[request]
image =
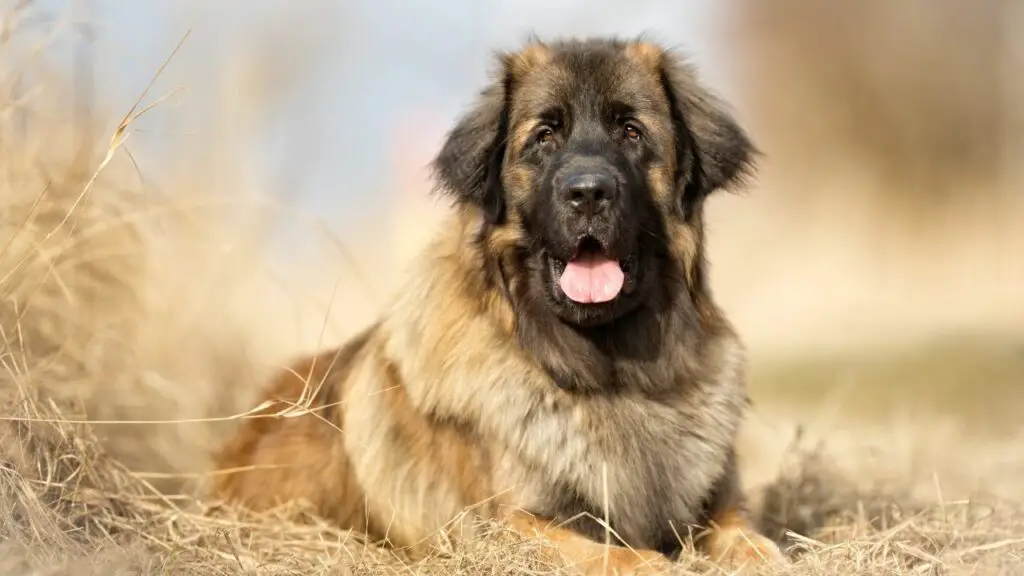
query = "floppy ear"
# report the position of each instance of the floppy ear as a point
(468, 167)
(712, 150)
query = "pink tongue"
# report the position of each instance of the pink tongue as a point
(591, 278)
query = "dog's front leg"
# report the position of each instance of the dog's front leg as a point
(586, 555)
(734, 540)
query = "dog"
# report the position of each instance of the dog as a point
(556, 360)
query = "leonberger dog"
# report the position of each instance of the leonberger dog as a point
(556, 361)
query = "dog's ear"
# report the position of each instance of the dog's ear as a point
(712, 151)
(468, 167)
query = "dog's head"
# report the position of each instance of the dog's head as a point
(590, 161)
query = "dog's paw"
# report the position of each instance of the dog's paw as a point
(620, 561)
(740, 548)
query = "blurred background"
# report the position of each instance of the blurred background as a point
(874, 268)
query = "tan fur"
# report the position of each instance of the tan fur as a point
(532, 56)
(734, 541)
(645, 53)
(438, 408)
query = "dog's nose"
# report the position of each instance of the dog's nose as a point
(590, 192)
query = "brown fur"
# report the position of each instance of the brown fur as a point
(469, 393)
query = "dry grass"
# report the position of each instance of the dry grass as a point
(107, 296)
(65, 503)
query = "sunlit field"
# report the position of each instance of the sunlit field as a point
(877, 282)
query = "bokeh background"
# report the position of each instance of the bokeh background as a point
(875, 267)
(888, 201)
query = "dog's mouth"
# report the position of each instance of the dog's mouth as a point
(591, 276)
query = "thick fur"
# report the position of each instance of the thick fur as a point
(482, 388)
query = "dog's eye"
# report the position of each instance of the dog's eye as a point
(631, 131)
(545, 135)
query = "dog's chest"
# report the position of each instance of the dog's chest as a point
(645, 466)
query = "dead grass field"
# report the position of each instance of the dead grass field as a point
(131, 342)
